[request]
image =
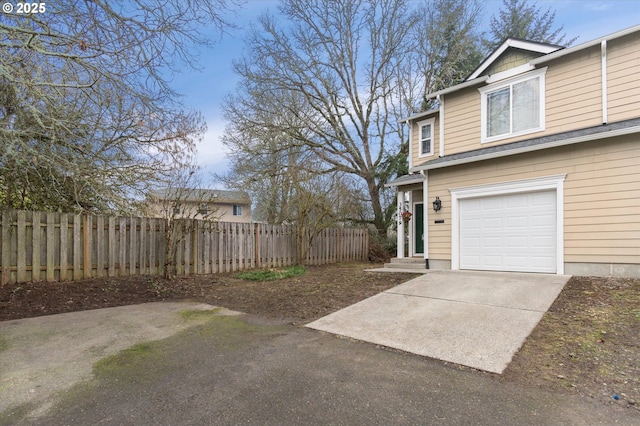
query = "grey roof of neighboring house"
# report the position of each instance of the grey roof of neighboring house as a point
(559, 139)
(202, 195)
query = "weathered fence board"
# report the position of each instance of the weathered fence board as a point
(50, 246)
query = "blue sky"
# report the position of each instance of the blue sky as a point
(205, 90)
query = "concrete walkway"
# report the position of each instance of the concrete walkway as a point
(477, 319)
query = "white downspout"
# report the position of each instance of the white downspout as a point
(603, 49)
(441, 125)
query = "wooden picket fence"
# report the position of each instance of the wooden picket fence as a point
(39, 246)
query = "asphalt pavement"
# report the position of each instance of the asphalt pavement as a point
(228, 370)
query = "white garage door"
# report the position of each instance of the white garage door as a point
(515, 232)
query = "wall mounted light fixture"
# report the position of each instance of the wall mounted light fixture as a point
(437, 204)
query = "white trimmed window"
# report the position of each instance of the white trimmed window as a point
(513, 107)
(237, 210)
(425, 137)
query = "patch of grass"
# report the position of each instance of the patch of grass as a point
(191, 314)
(4, 345)
(271, 274)
(129, 359)
(146, 362)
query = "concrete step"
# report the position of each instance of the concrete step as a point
(412, 263)
(405, 260)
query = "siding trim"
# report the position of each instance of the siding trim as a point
(555, 182)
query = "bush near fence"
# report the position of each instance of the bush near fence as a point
(39, 246)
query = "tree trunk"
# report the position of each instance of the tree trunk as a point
(378, 213)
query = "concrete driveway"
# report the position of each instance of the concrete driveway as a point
(477, 319)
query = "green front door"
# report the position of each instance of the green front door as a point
(418, 225)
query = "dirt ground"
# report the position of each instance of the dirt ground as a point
(588, 342)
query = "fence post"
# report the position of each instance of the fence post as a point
(86, 259)
(51, 246)
(4, 261)
(195, 253)
(22, 247)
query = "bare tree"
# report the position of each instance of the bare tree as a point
(289, 184)
(336, 60)
(336, 76)
(184, 205)
(87, 114)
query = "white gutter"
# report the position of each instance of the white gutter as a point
(603, 49)
(569, 50)
(457, 87)
(412, 181)
(531, 148)
(418, 115)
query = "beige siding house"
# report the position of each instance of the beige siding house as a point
(210, 204)
(535, 161)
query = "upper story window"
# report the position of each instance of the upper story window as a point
(203, 208)
(425, 137)
(237, 210)
(513, 107)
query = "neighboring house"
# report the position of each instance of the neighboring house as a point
(534, 161)
(213, 204)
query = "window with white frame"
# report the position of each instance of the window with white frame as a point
(425, 137)
(513, 107)
(237, 210)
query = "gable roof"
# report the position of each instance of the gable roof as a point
(531, 46)
(202, 195)
(476, 78)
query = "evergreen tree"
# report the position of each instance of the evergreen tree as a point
(520, 19)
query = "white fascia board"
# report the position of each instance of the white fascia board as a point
(586, 45)
(506, 153)
(468, 83)
(418, 179)
(418, 115)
